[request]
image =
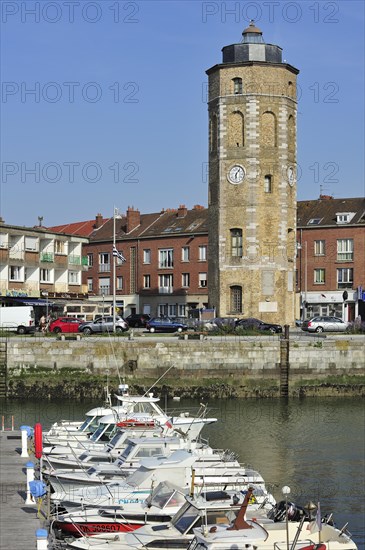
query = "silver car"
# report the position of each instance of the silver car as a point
(325, 324)
(104, 324)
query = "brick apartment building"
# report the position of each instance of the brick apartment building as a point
(165, 272)
(331, 257)
(166, 253)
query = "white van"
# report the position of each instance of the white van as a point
(17, 318)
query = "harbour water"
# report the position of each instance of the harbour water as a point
(316, 446)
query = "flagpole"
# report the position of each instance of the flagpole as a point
(114, 270)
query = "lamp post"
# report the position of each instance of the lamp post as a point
(286, 491)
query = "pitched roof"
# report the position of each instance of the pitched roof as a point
(84, 228)
(324, 210)
(159, 224)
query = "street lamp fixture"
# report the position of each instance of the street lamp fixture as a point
(286, 492)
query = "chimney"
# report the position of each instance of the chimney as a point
(325, 197)
(133, 219)
(182, 211)
(198, 207)
(98, 221)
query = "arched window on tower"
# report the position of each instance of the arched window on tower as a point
(268, 129)
(291, 133)
(236, 129)
(213, 133)
(268, 183)
(236, 242)
(236, 299)
(237, 85)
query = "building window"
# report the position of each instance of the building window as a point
(236, 299)
(147, 256)
(59, 247)
(319, 276)
(185, 280)
(73, 278)
(166, 258)
(182, 310)
(166, 283)
(104, 286)
(268, 184)
(237, 85)
(104, 262)
(236, 243)
(344, 217)
(146, 281)
(90, 285)
(172, 310)
(203, 253)
(3, 240)
(202, 280)
(345, 250)
(16, 273)
(90, 259)
(319, 248)
(120, 283)
(345, 277)
(31, 244)
(162, 310)
(314, 221)
(45, 275)
(185, 254)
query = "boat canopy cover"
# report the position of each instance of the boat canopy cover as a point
(179, 458)
(137, 398)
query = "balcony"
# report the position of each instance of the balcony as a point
(104, 290)
(47, 257)
(166, 290)
(74, 260)
(103, 268)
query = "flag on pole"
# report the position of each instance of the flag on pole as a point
(118, 254)
(315, 526)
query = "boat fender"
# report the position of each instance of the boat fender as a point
(38, 442)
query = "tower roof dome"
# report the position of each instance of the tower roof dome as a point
(252, 34)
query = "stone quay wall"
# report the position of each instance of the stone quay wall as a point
(193, 360)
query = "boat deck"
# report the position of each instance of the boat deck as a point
(18, 521)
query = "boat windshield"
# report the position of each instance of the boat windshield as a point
(98, 432)
(127, 451)
(90, 423)
(190, 517)
(104, 432)
(115, 439)
(186, 518)
(166, 496)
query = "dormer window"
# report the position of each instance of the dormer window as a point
(237, 85)
(344, 217)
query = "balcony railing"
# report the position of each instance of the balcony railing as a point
(104, 290)
(74, 260)
(104, 267)
(166, 290)
(47, 257)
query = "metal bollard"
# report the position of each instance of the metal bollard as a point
(24, 433)
(30, 477)
(42, 536)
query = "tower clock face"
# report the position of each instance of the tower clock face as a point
(236, 174)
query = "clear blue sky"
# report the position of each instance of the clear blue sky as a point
(123, 85)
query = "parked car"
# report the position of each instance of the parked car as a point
(325, 324)
(64, 324)
(137, 319)
(104, 324)
(165, 324)
(257, 324)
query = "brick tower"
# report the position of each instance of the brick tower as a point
(252, 181)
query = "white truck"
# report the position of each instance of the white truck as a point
(17, 318)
